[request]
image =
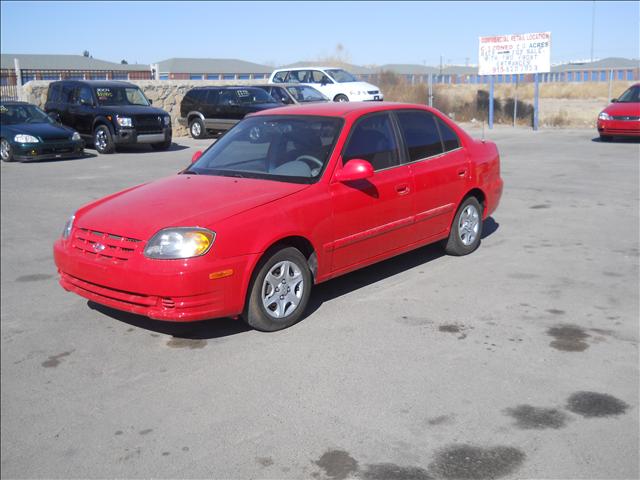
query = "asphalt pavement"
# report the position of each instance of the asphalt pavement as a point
(518, 361)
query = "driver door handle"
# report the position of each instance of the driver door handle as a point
(403, 189)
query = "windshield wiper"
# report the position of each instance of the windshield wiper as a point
(190, 172)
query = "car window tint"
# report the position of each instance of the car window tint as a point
(298, 76)
(54, 93)
(420, 134)
(317, 77)
(449, 137)
(280, 95)
(227, 97)
(211, 96)
(279, 77)
(83, 94)
(373, 140)
(67, 93)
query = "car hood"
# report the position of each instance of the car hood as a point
(623, 109)
(43, 131)
(179, 201)
(125, 110)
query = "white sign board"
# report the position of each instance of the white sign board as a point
(518, 53)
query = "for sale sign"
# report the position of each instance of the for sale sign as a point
(517, 53)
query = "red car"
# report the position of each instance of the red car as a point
(622, 117)
(287, 199)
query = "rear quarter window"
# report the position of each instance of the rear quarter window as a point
(279, 77)
(449, 138)
(54, 93)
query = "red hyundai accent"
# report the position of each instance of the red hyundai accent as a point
(622, 117)
(287, 199)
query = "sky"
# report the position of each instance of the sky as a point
(278, 33)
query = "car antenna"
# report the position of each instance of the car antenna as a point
(483, 130)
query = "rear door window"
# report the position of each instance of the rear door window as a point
(212, 96)
(420, 133)
(373, 140)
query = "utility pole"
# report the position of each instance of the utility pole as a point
(593, 27)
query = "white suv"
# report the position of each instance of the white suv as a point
(336, 83)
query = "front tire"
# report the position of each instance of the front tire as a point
(279, 292)
(197, 128)
(6, 153)
(340, 98)
(103, 141)
(466, 228)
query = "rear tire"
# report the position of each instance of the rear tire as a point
(341, 98)
(279, 292)
(6, 153)
(197, 128)
(103, 141)
(466, 228)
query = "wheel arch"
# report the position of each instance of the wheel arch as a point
(301, 243)
(479, 195)
(193, 114)
(98, 121)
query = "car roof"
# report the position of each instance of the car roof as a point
(340, 109)
(97, 83)
(288, 84)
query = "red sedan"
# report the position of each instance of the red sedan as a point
(622, 117)
(287, 199)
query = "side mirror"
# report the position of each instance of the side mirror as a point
(196, 156)
(55, 116)
(150, 101)
(614, 100)
(324, 81)
(356, 169)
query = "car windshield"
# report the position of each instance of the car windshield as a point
(304, 94)
(283, 148)
(630, 96)
(341, 76)
(120, 96)
(16, 114)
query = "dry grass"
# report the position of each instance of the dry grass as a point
(561, 104)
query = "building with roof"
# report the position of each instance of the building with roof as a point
(210, 69)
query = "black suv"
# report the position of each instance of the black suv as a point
(109, 113)
(217, 109)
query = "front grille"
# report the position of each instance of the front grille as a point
(104, 245)
(627, 118)
(373, 92)
(51, 149)
(148, 123)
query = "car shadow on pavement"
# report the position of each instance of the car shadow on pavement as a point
(86, 156)
(202, 330)
(617, 140)
(175, 147)
(385, 269)
(224, 327)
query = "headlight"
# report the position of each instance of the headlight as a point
(21, 138)
(124, 121)
(181, 242)
(166, 120)
(76, 136)
(604, 116)
(68, 226)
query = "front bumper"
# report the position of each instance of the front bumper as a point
(130, 136)
(619, 128)
(32, 152)
(170, 290)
